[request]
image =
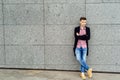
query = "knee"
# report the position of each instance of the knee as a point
(78, 59)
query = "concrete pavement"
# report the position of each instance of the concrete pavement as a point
(11, 74)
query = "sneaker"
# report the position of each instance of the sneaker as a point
(89, 72)
(82, 75)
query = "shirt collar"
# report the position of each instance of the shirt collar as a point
(83, 28)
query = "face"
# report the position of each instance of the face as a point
(83, 23)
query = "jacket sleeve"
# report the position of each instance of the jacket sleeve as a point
(75, 31)
(84, 37)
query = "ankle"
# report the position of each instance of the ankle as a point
(89, 69)
(83, 73)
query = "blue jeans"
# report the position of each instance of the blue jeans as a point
(81, 57)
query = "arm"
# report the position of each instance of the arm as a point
(83, 37)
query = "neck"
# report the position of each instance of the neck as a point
(82, 27)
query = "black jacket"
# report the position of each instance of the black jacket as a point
(83, 37)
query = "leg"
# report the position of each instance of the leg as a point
(78, 57)
(89, 70)
(77, 52)
(84, 54)
(83, 58)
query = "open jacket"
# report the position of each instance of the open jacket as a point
(83, 37)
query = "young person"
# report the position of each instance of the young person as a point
(82, 35)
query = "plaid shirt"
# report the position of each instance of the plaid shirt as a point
(82, 43)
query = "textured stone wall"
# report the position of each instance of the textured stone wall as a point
(39, 33)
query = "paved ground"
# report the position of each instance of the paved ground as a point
(10, 74)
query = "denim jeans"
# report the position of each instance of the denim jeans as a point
(81, 57)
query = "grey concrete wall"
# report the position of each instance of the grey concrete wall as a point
(39, 33)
